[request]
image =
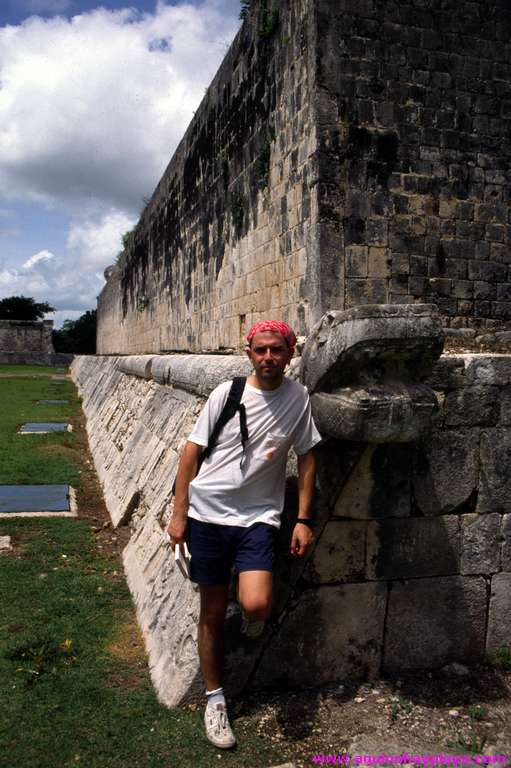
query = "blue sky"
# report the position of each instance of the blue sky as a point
(94, 98)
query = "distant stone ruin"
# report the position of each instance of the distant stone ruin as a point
(26, 341)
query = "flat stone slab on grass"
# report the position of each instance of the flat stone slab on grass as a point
(52, 402)
(43, 427)
(5, 543)
(37, 500)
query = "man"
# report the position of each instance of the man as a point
(230, 510)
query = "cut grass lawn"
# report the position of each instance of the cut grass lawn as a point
(74, 684)
(34, 459)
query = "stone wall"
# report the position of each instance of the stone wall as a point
(22, 341)
(347, 152)
(229, 233)
(412, 561)
(415, 144)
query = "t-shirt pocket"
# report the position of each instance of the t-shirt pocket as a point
(273, 445)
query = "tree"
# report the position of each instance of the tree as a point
(77, 336)
(23, 308)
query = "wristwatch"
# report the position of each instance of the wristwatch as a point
(306, 521)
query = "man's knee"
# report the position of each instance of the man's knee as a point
(256, 607)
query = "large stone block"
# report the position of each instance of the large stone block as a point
(490, 369)
(412, 547)
(499, 616)
(480, 543)
(445, 472)
(495, 482)
(448, 373)
(333, 633)
(339, 554)
(379, 485)
(431, 622)
(471, 407)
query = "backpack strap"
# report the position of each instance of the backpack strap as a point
(232, 404)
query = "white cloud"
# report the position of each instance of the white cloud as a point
(91, 108)
(37, 258)
(46, 6)
(47, 277)
(96, 242)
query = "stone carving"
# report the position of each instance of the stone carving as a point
(370, 361)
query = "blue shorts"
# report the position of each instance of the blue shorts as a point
(216, 548)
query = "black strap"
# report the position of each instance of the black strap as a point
(231, 405)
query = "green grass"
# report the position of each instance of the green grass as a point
(74, 684)
(29, 370)
(500, 658)
(34, 459)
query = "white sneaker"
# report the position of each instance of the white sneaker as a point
(251, 629)
(218, 729)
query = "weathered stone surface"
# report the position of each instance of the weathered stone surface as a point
(339, 554)
(445, 471)
(448, 373)
(379, 485)
(495, 482)
(198, 374)
(488, 370)
(26, 341)
(389, 413)
(480, 543)
(431, 622)
(136, 429)
(506, 544)
(167, 610)
(334, 633)
(409, 548)
(137, 365)
(472, 406)
(505, 406)
(499, 616)
(5, 543)
(372, 343)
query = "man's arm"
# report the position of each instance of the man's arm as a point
(302, 534)
(187, 470)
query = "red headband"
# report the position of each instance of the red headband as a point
(274, 326)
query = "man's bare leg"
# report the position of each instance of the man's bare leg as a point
(213, 606)
(255, 589)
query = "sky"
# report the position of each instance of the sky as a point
(94, 98)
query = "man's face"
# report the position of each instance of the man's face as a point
(269, 354)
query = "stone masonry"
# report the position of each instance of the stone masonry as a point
(23, 341)
(347, 152)
(412, 560)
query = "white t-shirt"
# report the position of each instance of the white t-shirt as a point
(225, 493)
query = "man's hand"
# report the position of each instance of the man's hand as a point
(176, 529)
(301, 540)
(188, 466)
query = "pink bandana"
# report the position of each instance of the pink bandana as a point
(275, 326)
